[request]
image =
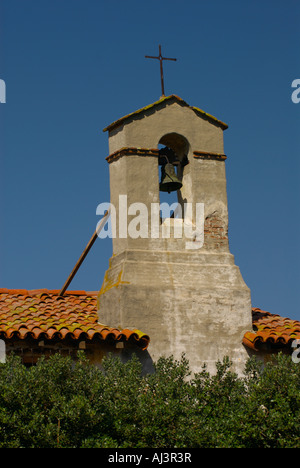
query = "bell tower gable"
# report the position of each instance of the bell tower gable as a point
(146, 127)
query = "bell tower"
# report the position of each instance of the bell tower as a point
(173, 277)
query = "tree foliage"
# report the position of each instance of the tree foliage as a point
(59, 403)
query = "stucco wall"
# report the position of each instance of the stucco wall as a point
(187, 301)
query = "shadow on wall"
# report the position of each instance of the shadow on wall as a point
(142, 355)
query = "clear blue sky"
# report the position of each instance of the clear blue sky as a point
(71, 67)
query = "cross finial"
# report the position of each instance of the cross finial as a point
(161, 58)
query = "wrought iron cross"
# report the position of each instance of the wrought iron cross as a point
(161, 58)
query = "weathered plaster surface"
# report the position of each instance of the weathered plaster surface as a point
(196, 301)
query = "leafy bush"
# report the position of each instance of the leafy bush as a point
(59, 403)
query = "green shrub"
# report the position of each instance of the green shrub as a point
(59, 403)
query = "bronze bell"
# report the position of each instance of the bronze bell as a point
(169, 180)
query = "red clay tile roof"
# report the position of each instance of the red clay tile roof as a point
(44, 314)
(271, 329)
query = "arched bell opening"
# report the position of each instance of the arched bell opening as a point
(177, 143)
(173, 157)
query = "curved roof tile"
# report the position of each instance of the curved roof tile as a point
(45, 314)
(271, 329)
